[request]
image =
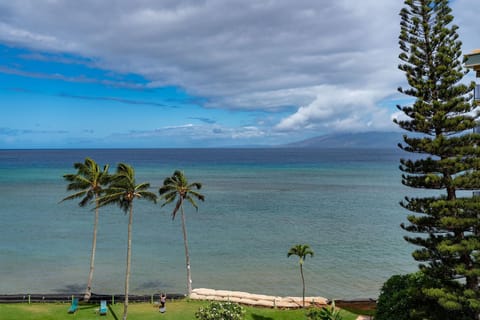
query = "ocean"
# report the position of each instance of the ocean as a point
(259, 203)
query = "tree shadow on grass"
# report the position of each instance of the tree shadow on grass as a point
(113, 313)
(259, 317)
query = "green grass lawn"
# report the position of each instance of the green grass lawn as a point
(177, 310)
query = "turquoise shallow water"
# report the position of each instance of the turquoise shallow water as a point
(259, 202)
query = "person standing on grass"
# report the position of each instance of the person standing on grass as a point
(163, 300)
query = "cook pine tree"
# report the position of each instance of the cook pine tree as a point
(444, 150)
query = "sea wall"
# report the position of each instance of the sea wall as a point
(255, 299)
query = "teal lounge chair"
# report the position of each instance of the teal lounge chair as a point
(74, 306)
(103, 308)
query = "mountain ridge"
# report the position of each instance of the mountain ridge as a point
(370, 139)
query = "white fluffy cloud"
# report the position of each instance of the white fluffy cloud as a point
(339, 109)
(333, 62)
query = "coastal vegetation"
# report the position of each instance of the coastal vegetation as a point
(301, 251)
(88, 184)
(177, 186)
(220, 311)
(325, 313)
(444, 222)
(401, 299)
(123, 190)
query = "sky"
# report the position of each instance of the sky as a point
(200, 73)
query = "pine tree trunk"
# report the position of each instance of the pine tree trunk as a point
(303, 283)
(129, 255)
(187, 256)
(88, 291)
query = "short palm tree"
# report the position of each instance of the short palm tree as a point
(302, 251)
(123, 190)
(177, 186)
(88, 183)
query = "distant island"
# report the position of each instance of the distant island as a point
(372, 139)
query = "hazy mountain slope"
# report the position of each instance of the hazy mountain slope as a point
(352, 140)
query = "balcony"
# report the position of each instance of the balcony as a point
(476, 94)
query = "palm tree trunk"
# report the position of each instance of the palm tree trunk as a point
(187, 256)
(129, 255)
(88, 291)
(303, 283)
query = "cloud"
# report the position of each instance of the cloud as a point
(10, 132)
(116, 99)
(98, 98)
(340, 109)
(201, 136)
(14, 35)
(329, 63)
(57, 58)
(205, 120)
(78, 79)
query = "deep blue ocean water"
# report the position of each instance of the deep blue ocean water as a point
(259, 202)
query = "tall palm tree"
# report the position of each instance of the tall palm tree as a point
(88, 183)
(123, 190)
(301, 250)
(177, 186)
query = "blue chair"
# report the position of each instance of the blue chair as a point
(74, 306)
(103, 308)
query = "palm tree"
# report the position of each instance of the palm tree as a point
(301, 250)
(177, 186)
(87, 183)
(122, 190)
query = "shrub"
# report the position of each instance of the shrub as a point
(403, 298)
(220, 311)
(326, 313)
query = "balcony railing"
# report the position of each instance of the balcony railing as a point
(476, 94)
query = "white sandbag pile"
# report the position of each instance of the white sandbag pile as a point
(255, 299)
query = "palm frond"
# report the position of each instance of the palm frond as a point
(178, 176)
(196, 185)
(109, 197)
(300, 250)
(147, 195)
(114, 198)
(170, 183)
(75, 195)
(142, 186)
(169, 194)
(177, 206)
(70, 177)
(78, 185)
(192, 202)
(88, 180)
(177, 185)
(126, 170)
(197, 195)
(87, 199)
(169, 198)
(122, 189)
